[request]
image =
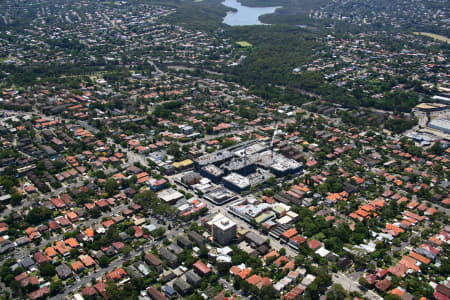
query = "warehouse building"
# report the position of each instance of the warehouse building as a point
(170, 196)
(442, 99)
(440, 124)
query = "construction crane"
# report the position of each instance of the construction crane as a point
(273, 139)
(245, 159)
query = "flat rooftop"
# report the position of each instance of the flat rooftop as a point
(251, 149)
(170, 195)
(442, 123)
(212, 169)
(214, 157)
(224, 224)
(237, 180)
(239, 163)
(279, 162)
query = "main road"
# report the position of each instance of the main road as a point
(96, 274)
(350, 285)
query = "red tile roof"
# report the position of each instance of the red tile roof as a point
(383, 285)
(39, 293)
(254, 279)
(290, 233)
(199, 266)
(116, 274)
(313, 244)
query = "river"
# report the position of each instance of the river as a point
(245, 15)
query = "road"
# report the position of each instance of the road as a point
(88, 127)
(350, 285)
(30, 200)
(136, 157)
(275, 244)
(158, 70)
(214, 209)
(21, 253)
(340, 278)
(96, 274)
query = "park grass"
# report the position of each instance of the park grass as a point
(244, 44)
(434, 36)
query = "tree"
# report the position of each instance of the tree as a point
(38, 214)
(437, 149)
(8, 182)
(203, 253)
(158, 232)
(15, 198)
(126, 250)
(74, 252)
(272, 180)
(312, 292)
(343, 232)
(138, 283)
(95, 212)
(56, 287)
(399, 125)
(17, 289)
(149, 200)
(419, 288)
(47, 269)
(113, 291)
(363, 282)
(268, 292)
(445, 267)
(323, 280)
(174, 150)
(5, 271)
(239, 258)
(337, 292)
(111, 186)
(299, 260)
(389, 296)
(130, 231)
(209, 129)
(223, 268)
(103, 261)
(270, 260)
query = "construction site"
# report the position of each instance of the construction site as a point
(247, 164)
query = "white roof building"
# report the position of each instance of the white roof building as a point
(170, 195)
(322, 252)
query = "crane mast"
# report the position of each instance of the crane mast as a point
(273, 139)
